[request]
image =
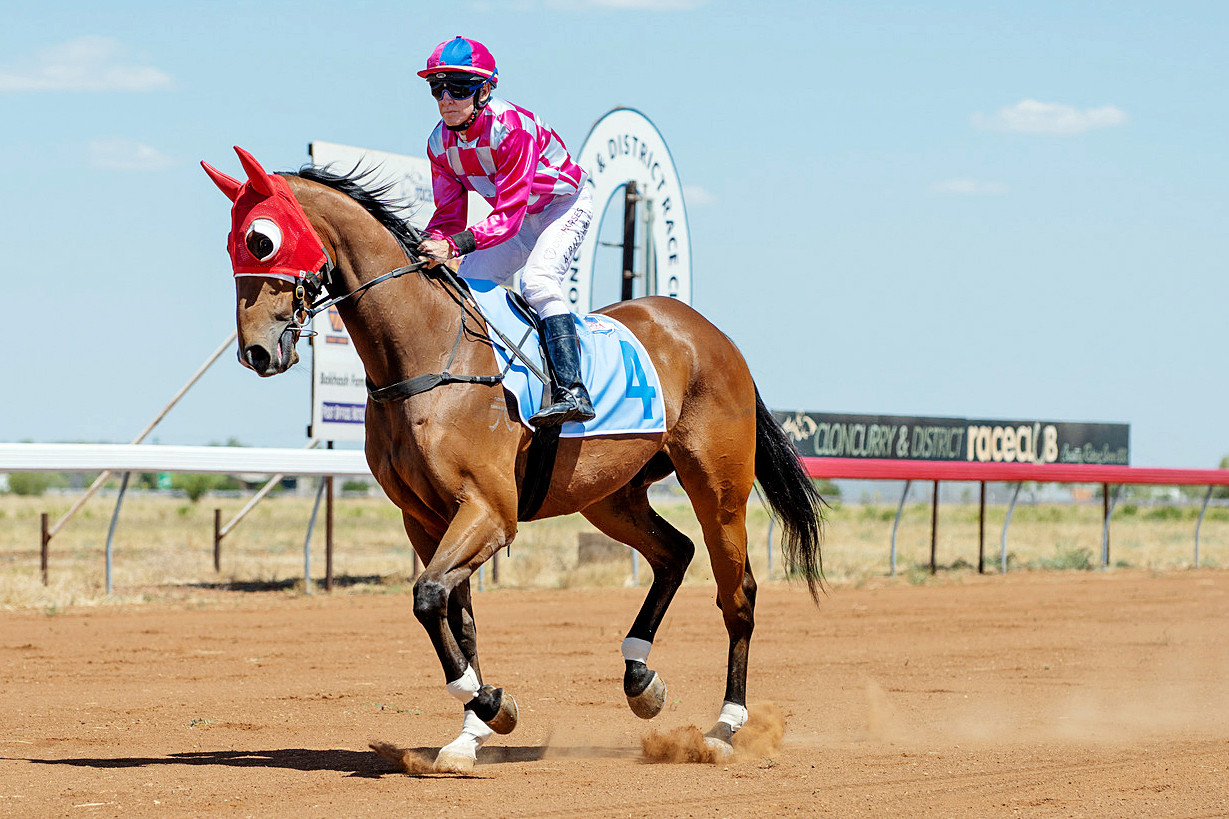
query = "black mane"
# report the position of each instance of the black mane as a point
(375, 200)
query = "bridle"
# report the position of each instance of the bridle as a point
(311, 285)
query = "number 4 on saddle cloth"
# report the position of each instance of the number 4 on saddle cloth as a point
(617, 371)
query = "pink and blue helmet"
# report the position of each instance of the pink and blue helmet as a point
(464, 56)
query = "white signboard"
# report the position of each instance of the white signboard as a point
(624, 146)
(339, 391)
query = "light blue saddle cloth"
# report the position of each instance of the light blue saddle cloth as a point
(617, 371)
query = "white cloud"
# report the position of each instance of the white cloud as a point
(118, 154)
(696, 196)
(1034, 117)
(84, 64)
(969, 187)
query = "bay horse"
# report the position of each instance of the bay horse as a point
(453, 458)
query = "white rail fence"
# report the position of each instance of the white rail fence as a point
(203, 459)
(129, 458)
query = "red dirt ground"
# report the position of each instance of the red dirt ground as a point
(1086, 694)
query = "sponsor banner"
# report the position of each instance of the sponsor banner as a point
(827, 435)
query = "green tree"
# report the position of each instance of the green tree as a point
(197, 486)
(32, 484)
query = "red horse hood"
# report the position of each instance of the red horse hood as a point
(269, 234)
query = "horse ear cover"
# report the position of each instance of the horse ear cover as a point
(226, 184)
(256, 175)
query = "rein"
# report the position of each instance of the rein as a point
(304, 309)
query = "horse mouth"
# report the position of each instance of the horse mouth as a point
(275, 356)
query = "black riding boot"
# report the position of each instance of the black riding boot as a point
(570, 399)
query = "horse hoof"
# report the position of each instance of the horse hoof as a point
(721, 749)
(649, 702)
(454, 762)
(505, 718)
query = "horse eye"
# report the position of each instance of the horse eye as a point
(263, 239)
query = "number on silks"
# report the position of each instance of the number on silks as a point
(637, 381)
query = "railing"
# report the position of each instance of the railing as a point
(129, 458)
(155, 458)
(1018, 473)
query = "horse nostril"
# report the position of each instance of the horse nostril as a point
(257, 357)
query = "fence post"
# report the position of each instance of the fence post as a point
(981, 532)
(123, 487)
(328, 533)
(1199, 523)
(217, 540)
(896, 525)
(43, 550)
(934, 529)
(1011, 507)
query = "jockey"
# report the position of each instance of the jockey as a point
(541, 205)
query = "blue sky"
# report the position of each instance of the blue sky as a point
(1008, 210)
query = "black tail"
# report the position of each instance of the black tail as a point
(792, 496)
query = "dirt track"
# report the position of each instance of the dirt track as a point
(1089, 694)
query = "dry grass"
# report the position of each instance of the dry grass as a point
(164, 546)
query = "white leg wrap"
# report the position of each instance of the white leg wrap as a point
(474, 732)
(636, 649)
(466, 688)
(733, 715)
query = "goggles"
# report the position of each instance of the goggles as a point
(459, 87)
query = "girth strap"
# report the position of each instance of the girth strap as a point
(422, 383)
(539, 466)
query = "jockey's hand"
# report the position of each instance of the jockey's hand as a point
(434, 251)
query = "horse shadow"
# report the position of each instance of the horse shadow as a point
(362, 764)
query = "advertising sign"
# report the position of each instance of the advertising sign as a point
(624, 146)
(826, 435)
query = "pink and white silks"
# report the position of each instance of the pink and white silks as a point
(541, 206)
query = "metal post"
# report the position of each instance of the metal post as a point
(981, 532)
(328, 532)
(1199, 523)
(629, 240)
(934, 528)
(1108, 505)
(650, 257)
(495, 568)
(217, 540)
(307, 543)
(1105, 529)
(896, 525)
(772, 519)
(222, 531)
(123, 487)
(1011, 507)
(43, 550)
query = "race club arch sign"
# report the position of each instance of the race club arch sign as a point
(624, 146)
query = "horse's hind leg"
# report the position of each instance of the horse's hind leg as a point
(627, 517)
(719, 484)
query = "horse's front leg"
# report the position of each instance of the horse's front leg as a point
(442, 605)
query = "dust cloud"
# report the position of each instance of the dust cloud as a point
(760, 737)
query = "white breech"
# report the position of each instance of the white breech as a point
(542, 250)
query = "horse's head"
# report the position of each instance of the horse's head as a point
(275, 253)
